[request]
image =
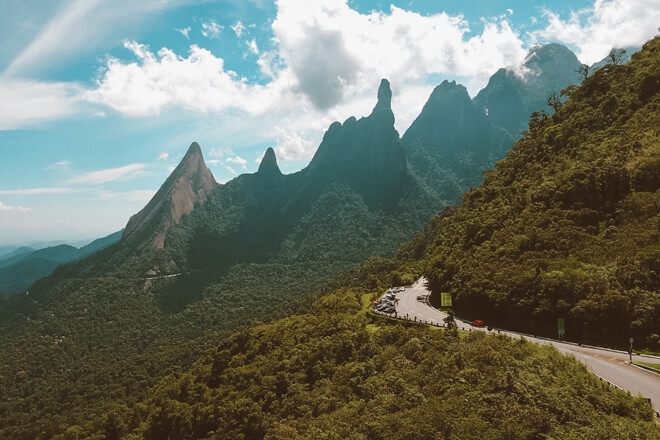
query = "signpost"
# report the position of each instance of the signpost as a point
(630, 350)
(446, 299)
(560, 327)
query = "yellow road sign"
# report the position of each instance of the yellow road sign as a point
(446, 299)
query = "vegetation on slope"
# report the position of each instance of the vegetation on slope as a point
(568, 225)
(326, 375)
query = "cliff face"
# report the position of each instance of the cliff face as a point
(190, 184)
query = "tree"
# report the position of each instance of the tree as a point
(583, 71)
(616, 56)
(554, 101)
(450, 322)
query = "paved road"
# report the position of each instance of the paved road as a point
(609, 365)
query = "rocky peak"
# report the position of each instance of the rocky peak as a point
(365, 152)
(382, 113)
(268, 165)
(447, 94)
(190, 184)
(384, 96)
(449, 118)
(546, 55)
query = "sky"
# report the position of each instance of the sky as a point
(100, 99)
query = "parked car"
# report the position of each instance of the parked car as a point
(478, 323)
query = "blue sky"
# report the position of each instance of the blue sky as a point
(99, 99)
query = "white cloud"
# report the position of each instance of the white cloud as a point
(163, 156)
(608, 24)
(509, 11)
(27, 103)
(334, 50)
(252, 45)
(220, 152)
(51, 34)
(9, 208)
(238, 28)
(35, 191)
(199, 82)
(185, 31)
(324, 55)
(293, 145)
(211, 29)
(108, 175)
(230, 169)
(96, 22)
(237, 160)
(62, 165)
(214, 162)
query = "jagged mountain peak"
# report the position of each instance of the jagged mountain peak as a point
(450, 118)
(364, 152)
(190, 184)
(268, 165)
(545, 54)
(448, 92)
(384, 96)
(382, 112)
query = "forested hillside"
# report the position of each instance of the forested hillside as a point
(332, 373)
(568, 225)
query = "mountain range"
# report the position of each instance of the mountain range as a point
(202, 259)
(23, 266)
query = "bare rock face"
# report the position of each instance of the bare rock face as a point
(189, 185)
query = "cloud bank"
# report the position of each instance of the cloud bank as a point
(323, 62)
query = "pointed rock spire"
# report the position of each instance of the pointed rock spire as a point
(384, 96)
(190, 184)
(382, 113)
(268, 165)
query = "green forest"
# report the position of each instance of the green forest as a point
(568, 225)
(334, 373)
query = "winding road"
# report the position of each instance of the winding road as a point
(609, 365)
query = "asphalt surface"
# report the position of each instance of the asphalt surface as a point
(609, 365)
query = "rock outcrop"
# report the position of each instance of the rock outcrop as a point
(189, 185)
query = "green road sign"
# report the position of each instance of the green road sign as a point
(560, 326)
(446, 299)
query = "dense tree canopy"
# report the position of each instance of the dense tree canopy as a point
(331, 374)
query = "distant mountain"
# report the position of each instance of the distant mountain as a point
(98, 244)
(365, 153)
(14, 254)
(511, 97)
(24, 268)
(452, 141)
(625, 57)
(455, 138)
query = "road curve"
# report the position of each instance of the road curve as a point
(608, 364)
